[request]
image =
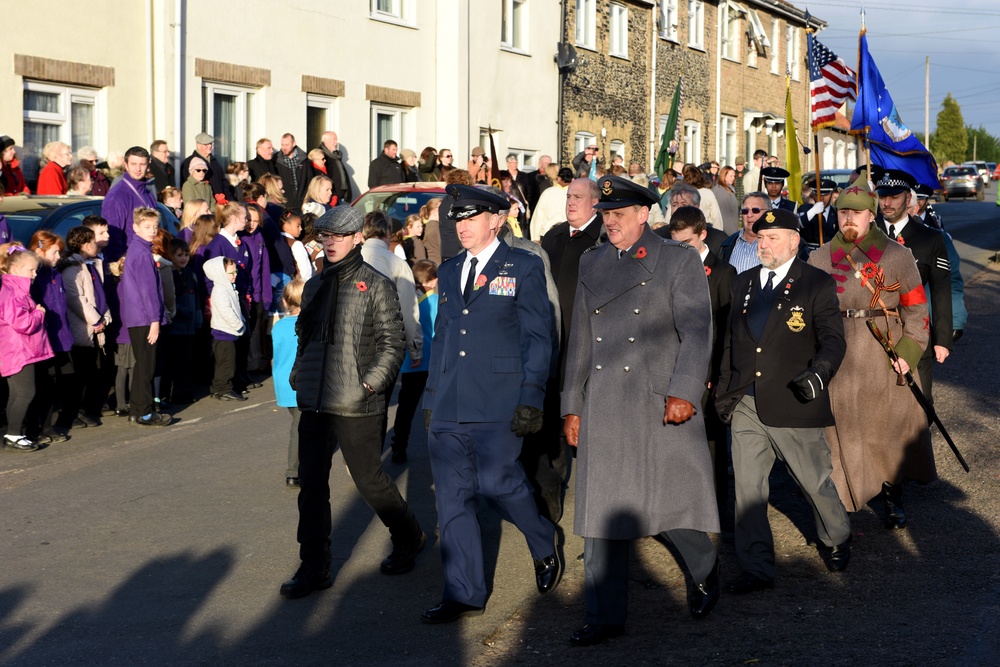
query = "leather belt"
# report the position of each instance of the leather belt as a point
(853, 313)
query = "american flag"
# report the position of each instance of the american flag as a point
(831, 82)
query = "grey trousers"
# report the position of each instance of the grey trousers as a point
(605, 565)
(807, 456)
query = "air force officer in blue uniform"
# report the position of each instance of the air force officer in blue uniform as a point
(489, 365)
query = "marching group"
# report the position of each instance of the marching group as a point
(656, 330)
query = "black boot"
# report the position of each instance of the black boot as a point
(892, 494)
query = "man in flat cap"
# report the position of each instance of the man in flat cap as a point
(874, 451)
(931, 254)
(490, 360)
(785, 342)
(774, 183)
(808, 218)
(638, 358)
(216, 176)
(351, 346)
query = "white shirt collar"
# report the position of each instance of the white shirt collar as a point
(779, 273)
(583, 226)
(229, 237)
(898, 225)
(481, 259)
(704, 252)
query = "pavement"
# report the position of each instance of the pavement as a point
(167, 546)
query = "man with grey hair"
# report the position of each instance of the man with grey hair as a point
(160, 167)
(88, 158)
(740, 248)
(685, 194)
(333, 157)
(338, 410)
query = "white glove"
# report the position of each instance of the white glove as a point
(816, 209)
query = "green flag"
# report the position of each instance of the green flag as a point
(668, 144)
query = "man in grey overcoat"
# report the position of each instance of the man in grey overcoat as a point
(638, 357)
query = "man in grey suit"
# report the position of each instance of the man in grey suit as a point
(638, 358)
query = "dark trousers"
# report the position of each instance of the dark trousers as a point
(54, 382)
(544, 456)
(293, 444)
(479, 459)
(21, 388)
(410, 390)
(225, 365)
(925, 369)
(141, 388)
(107, 371)
(718, 447)
(177, 374)
(319, 436)
(605, 564)
(85, 392)
(241, 376)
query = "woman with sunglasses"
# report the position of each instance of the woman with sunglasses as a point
(196, 187)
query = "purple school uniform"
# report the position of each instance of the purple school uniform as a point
(186, 234)
(50, 291)
(260, 267)
(221, 245)
(5, 234)
(124, 197)
(141, 292)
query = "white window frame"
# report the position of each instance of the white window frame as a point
(775, 33)
(527, 158)
(248, 115)
(852, 156)
(586, 24)
(330, 105)
(669, 20)
(70, 95)
(827, 152)
(729, 32)
(840, 158)
(514, 29)
(402, 129)
(696, 24)
(618, 30)
(792, 51)
(583, 139)
(692, 142)
(616, 147)
(728, 132)
(772, 139)
(400, 12)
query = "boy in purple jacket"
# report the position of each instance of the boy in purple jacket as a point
(142, 314)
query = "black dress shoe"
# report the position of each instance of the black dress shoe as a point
(702, 597)
(449, 611)
(748, 583)
(307, 579)
(840, 556)
(153, 419)
(229, 396)
(402, 559)
(591, 635)
(121, 412)
(292, 482)
(548, 571)
(90, 420)
(553, 499)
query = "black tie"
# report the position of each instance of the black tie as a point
(892, 232)
(574, 233)
(470, 280)
(769, 287)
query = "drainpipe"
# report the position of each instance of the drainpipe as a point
(150, 99)
(653, 125)
(721, 12)
(179, 105)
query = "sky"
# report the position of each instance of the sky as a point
(960, 36)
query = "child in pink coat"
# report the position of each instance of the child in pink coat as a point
(22, 339)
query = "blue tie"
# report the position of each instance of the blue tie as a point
(768, 291)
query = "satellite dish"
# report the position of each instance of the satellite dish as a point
(566, 58)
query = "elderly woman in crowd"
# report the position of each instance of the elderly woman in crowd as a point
(196, 187)
(52, 178)
(88, 159)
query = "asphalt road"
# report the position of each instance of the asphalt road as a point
(131, 546)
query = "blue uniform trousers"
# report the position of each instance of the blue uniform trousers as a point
(469, 460)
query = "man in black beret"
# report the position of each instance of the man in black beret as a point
(785, 342)
(931, 254)
(774, 183)
(636, 366)
(807, 217)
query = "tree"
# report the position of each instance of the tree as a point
(950, 138)
(986, 146)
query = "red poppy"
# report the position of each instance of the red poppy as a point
(640, 253)
(900, 240)
(869, 270)
(362, 287)
(157, 266)
(708, 271)
(221, 200)
(480, 281)
(238, 243)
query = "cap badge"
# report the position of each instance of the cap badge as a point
(607, 189)
(769, 217)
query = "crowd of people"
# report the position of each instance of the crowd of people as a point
(665, 330)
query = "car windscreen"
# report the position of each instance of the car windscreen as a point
(398, 205)
(23, 225)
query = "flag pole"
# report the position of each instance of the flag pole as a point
(819, 159)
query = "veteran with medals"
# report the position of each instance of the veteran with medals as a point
(636, 365)
(784, 343)
(877, 281)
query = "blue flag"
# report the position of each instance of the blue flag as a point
(892, 144)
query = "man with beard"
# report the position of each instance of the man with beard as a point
(294, 170)
(931, 254)
(878, 282)
(335, 169)
(785, 342)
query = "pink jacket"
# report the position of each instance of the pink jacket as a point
(22, 327)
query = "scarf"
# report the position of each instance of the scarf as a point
(317, 320)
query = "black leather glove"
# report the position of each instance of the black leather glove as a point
(810, 383)
(527, 419)
(956, 334)
(427, 420)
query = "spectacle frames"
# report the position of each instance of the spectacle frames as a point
(200, 171)
(329, 237)
(746, 211)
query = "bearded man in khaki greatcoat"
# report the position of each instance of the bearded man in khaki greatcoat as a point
(877, 281)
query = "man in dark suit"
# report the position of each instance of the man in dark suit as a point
(688, 225)
(263, 163)
(333, 158)
(638, 356)
(785, 341)
(159, 165)
(808, 217)
(774, 183)
(931, 254)
(485, 388)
